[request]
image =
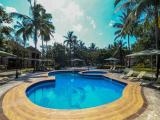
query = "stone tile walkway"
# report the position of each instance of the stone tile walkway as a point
(153, 110)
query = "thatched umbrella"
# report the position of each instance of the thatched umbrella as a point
(111, 59)
(146, 53)
(77, 60)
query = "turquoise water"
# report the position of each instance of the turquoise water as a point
(73, 91)
(94, 73)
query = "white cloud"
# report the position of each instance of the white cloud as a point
(72, 11)
(10, 9)
(67, 15)
(58, 38)
(77, 27)
(92, 22)
(111, 23)
(69, 11)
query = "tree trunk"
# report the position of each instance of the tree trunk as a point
(23, 60)
(35, 41)
(35, 38)
(46, 48)
(70, 54)
(121, 56)
(42, 48)
(157, 37)
(129, 49)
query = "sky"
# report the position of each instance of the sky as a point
(91, 20)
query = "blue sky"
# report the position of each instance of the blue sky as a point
(91, 20)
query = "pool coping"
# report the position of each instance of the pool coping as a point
(16, 112)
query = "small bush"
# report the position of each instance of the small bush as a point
(109, 66)
(144, 69)
(27, 70)
(57, 67)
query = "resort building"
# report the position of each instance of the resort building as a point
(32, 58)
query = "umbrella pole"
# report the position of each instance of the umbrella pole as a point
(152, 65)
(16, 67)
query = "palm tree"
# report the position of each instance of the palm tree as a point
(123, 29)
(92, 47)
(120, 51)
(69, 40)
(75, 43)
(5, 31)
(46, 29)
(24, 30)
(39, 19)
(120, 33)
(81, 45)
(39, 22)
(5, 18)
(139, 7)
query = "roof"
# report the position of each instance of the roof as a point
(30, 48)
(4, 54)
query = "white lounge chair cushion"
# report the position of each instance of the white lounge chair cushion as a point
(156, 85)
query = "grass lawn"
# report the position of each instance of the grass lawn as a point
(149, 70)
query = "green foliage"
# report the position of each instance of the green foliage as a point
(5, 31)
(26, 70)
(57, 67)
(109, 66)
(37, 25)
(104, 67)
(144, 69)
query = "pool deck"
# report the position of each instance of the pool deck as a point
(16, 105)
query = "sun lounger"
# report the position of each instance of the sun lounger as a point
(156, 85)
(3, 80)
(138, 78)
(146, 83)
(113, 69)
(129, 74)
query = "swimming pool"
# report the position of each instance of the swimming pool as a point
(73, 91)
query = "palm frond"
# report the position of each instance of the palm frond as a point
(19, 15)
(117, 32)
(118, 36)
(118, 25)
(117, 2)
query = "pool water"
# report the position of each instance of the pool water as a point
(94, 73)
(73, 91)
